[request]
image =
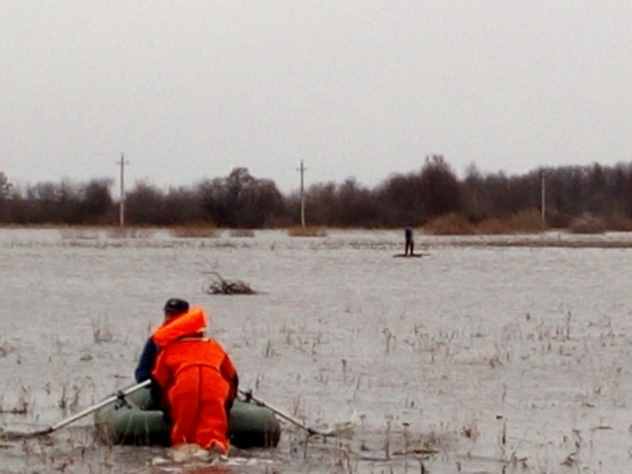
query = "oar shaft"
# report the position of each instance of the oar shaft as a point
(12, 435)
(289, 418)
(101, 404)
(282, 414)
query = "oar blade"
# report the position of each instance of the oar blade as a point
(19, 435)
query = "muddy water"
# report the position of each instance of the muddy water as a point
(468, 360)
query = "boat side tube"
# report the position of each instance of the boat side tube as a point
(132, 421)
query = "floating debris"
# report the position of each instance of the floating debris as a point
(220, 286)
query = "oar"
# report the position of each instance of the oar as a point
(312, 431)
(16, 435)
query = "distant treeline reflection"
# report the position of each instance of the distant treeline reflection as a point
(432, 193)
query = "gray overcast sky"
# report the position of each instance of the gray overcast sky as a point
(362, 88)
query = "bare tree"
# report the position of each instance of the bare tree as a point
(144, 205)
(241, 200)
(5, 186)
(96, 201)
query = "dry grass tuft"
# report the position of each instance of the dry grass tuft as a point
(23, 404)
(242, 233)
(492, 226)
(130, 232)
(587, 225)
(101, 331)
(529, 220)
(309, 231)
(195, 231)
(79, 233)
(449, 224)
(471, 431)
(619, 223)
(5, 348)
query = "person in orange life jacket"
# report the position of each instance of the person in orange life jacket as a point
(196, 379)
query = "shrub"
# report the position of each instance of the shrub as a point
(242, 233)
(449, 224)
(492, 225)
(194, 231)
(309, 231)
(130, 232)
(587, 225)
(619, 223)
(78, 233)
(529, 220)
(558, 220)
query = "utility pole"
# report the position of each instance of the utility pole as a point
(122, 164)
(543, 197)
(302, 171)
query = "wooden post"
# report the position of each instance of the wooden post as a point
(122, 164)
(543, 197)
(302, 171)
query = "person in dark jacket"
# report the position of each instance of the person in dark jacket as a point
(174, 307)
(410, 243)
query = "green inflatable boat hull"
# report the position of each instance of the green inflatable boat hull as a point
(131, 422)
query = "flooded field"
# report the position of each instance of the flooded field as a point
(474, 359)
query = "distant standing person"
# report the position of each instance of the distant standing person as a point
(410, 243)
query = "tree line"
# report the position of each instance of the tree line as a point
(241, 200)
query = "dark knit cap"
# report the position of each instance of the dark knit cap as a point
(176, 306)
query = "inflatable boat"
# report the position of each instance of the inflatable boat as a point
(131, 421)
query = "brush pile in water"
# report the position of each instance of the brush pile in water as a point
(220, 286)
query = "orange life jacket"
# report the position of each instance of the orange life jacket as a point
(192, 323)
